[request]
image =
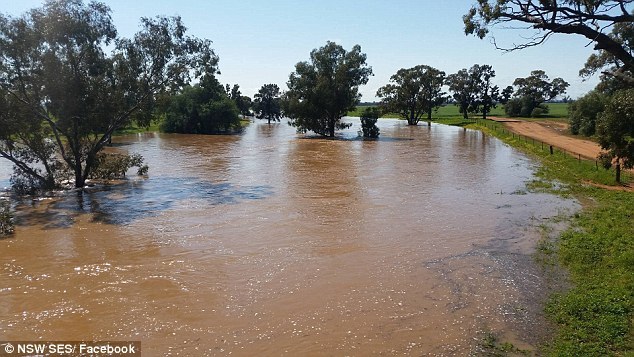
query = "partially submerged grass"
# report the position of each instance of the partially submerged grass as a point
(595, 317)
(490, 345)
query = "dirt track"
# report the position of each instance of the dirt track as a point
(556, 134)
(552, 133)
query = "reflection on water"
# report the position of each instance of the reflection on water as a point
(273, 243)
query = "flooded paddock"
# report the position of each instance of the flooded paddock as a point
(270, 243)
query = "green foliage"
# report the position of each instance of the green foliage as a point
(243, 103)
(585, 111)
(6, 218)
(323, 90)
(413, 92)
(115, 166)
(74, 82)
(203, 108)
(473, 91)
(585, 18)
(368, 122)
(615, 129)
(267, 103)
(606, 61)
(532, 92)
(556, 112)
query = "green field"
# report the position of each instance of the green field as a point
(558, 111)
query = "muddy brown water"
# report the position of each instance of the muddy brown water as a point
(270, 243)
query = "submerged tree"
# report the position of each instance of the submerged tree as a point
(325, 89)
(368, 122)
(243, 103)
(413, 92)
(267, 103)
(65, 96)
(204, 108)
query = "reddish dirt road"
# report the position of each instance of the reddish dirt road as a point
(557, 134)
(552, 133)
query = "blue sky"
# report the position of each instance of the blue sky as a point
(259, 42)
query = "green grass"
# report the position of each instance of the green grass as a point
(558, 111)
(135, 129)
(596, 316)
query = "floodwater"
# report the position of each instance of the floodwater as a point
(271, 243)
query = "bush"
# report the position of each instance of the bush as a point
(525, 107)
(201, 109)
(6, 218)
(368, 122)
(115, 166)
(584, 112)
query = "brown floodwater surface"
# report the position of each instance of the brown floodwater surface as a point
(271, 243)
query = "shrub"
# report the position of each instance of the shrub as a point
(525, 107)
(585, 111)
(368, 122)
(6, 218)
(115, 166)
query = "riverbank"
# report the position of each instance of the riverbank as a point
(595, 316)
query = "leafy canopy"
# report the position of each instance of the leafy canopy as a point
(267, 103)
(65, 95)
(615, 129)
(586, 18)
(324, 89)
(532, 92)
(413, 92)
(204, 108)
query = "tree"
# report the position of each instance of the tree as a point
(56, 78)
(587, 18)
(368, 122)
(506, 95)
(204, 108)
(473, 91)
(464, 89)
(487, 94)
(325, 89)
(615, 131)
(532, 92)
(243, 103)
(583, 112)
(267, 103)
(413, 92)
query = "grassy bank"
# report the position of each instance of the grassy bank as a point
(558, 111)
(596, 316)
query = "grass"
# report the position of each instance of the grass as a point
(135, 129)
(596, 316)
(558, 111)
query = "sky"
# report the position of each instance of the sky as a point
(259, 42)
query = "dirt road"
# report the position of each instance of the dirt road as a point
(552, 133)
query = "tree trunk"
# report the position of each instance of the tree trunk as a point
(618, 170)
(79, 178)
(331, 128)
